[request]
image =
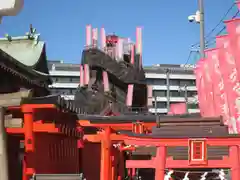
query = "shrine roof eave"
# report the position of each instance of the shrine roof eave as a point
(28, 54)
(146, 118)
(23, 49)
(55, 100)
(176, 136)
(22, 70)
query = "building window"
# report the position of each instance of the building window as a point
(152, 81)
(174, 82)
(159, 93)
(75, 79)
(187, 82)
(176, 94)
(160, 104)
(182, 82)
(65, 79)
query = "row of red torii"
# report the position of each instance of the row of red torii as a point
(197, 148)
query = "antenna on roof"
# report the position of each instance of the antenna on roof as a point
(32, 34)
(32, 30)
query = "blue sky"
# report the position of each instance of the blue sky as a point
(167, 34)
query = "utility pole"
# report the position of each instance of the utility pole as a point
(156, 114)
(155, 105)
(186, 97)
(202, 28)
(198, 17)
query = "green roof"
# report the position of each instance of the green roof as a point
(27, 53)
(24, 50)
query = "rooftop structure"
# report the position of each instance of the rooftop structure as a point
(25, 57)
(167, 81)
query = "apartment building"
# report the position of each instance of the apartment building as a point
(171, 83)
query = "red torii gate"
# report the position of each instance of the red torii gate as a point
(107, 137)
(161, 162)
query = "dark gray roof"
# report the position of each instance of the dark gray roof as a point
(161, 69)
(172, 68)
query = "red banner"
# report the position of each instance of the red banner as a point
(233, 29)
(229, 73)
(200, 83)
(220, 97)
(178, 108)
(214, 76)
(211, 109)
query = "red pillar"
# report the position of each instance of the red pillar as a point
(160, 163)
(29, 164)
(28, 128)
(24, 169)
(234, 159)
(113, 159)
(121, 169)
(106, 165)
(80, 145)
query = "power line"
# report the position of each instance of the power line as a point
(190, 53)
(213, 38)
(219, 23)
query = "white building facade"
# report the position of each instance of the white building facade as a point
(171, 84)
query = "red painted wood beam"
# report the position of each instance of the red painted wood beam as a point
(140, 164)
(39, 106)
(179, 142)
(98, 137)
(171, 164)
(120, 126)
(48, 128)
(15, 130)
